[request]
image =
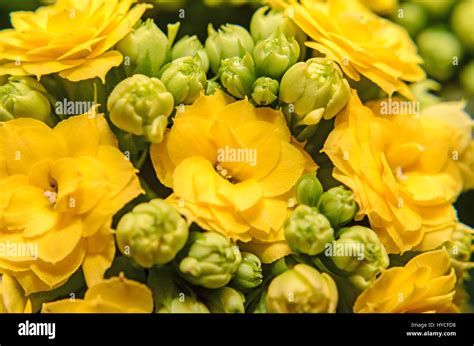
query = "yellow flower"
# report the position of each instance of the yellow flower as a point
(114, 295)
(233, 169)
(72, 37)
(452, 114)
(12, 297)
(359, 41)
(59, 189)
(384, 7)
(401, 171)
(425, 284)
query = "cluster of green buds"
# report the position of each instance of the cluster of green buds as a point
(190, 46)
(152, 233)
(146, 49)
(228, 41)
(209, 260)
(237, 75)
(184, 78)
(249, 273)
(265, 91)
(274, 55)
(358, 252)
(307, 231)
(302, 289)
(24, 97)
(338, 205)
(141, 105)
(266, 23)
(461, 246)
(312, 90)
(224, 300)
(184, 305)
(308, 190)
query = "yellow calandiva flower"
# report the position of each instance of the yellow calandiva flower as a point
(233, 168)
(359, 41)
(452, 114)
(12, 297)
(72, 37)
(401, 170)
(59, 189)
(114, 295)
(425, 284)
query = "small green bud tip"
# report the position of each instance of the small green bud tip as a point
(190, 46)
(209, 260)
(141, 105)
(460, 246)
(358, 251)
(461, 22)
(145, 49)
(266, 23)
(225, 300)
(237, 75)
(24, 97)
(307, 231)
(308, 190)
(316, 88)
(249, 274)
(152, 233)
(227, 42)
(184, 78)
(338, 205)
(184, 305)
(302, 289)
(265, 91)
(274, 55)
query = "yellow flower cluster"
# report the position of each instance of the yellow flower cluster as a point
(59, 189)
(232, 168)
(72, 37)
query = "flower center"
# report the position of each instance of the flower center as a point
(399, 173)
(225, 173)
(51, 196)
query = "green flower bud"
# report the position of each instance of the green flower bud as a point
(152, 233)
(141, 105)
(467, 78)
(210, 260)
(190, 46)
(212, 87)
(302, 289)
(461, 22)
(24, 97)
(308, 190)
(422, 92)
(184, 305)
(439, 63)
(460, 246)
(237, 75)
(146, 49)
(313, 90)
(249, 274)
(274, 55)
(338, 205)
(358, 251)
(265, 91)
(225, 300)
(228, 42)
(411, 16)
(184, 78)
(265, 23)
(438, 8)
(307, 231)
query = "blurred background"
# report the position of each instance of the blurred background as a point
(443, 30)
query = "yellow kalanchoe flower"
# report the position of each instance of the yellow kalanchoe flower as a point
(425, 284)
(59, 189)
(72, 37)
(233, 168)
(114, 295)
(402, 179)
(359, 41)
